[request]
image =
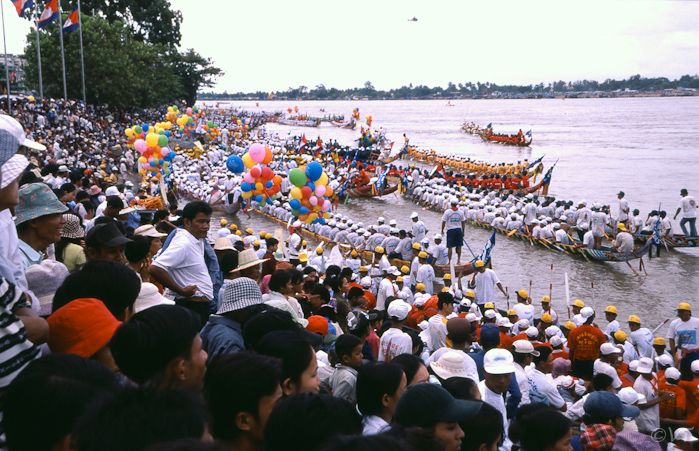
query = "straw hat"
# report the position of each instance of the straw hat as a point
(248, 258)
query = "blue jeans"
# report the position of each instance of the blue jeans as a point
(692, 227)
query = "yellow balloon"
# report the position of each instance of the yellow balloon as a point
(312, 217)
(259, 186)
(327, 215)
(152, 139)
(323, 180)
(246, 195)
(143, 160)
(129, 132)
(247, 161)
(296, 193)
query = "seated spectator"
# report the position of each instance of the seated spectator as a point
(44, 280)
(105, 242)
(604, 417)
(343, 382)
(413, 367)
(299, 364)
(379, 387)
(160, 347)
(69, 250)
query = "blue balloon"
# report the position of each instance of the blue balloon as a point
(172, 154)
(294, 204)
(144, 127)
(304, 210)
(269, 201)
(259, 198)
(245, 187)
(269, 184)
(235, 164)
(314, 170)
(311, 185)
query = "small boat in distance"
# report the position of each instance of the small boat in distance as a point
(414, 19)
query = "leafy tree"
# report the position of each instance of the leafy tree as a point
(194, 72)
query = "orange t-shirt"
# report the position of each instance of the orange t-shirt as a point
(505, 342)
(584, 342)
(559, 353)
(667, 408)
(691, 390)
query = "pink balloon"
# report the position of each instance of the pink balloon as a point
(140, 145)
(248, 178)
(313, 201)
(257, 153)
(326, 206)
(320, 191)
(164, 151)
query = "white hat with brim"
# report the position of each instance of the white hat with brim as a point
(15, 128)
(645, 365)
(684, 435)
(498, 361)
(248, 258)
(149, 231)
(449, 364)
(149, 296)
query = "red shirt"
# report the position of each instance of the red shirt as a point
(374, 342)
(667, 408)
(691, 390)
(584, 342)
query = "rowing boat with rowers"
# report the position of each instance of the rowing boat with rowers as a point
(351, 124)
(371, 191)
(508, 140)
(300, 123)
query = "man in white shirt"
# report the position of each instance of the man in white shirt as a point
(623, 208)
(394, 341)
(437, 325)
(484, 282)
(688, 207)
(640, 337)
(440, 253)
(523, 308)
(295, 243)
(542, 388)
(647, 385)
(425, 274)
(455, 221)
(682, 335)
(608, 355)
(498, 367)
(419, 229)
(387, 287)
(523, 353)
(613, 325)
(181, 267)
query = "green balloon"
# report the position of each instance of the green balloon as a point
(137, 129)
(297, 177)
(162, 141)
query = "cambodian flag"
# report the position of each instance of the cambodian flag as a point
(72, 21)
(49, 15)
(487, 249)
(22, 5)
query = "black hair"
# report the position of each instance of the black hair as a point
(113, 283)
(602, 381)
(156, 416)
(87, 205)
(417, 341)
(330, 416)
(308, 270)
(444, 298)
(322, 292)
(296, 275)
(374, 380)
(520, 357)
(332, 270)
(295, 352)
(345, 344)
(544, 353)
(198, 206)
(346, 273)
(263, 319)
(188, 444)
(81, 196)
(409, 363)
(460, 387)
(397, 438)
(161, 215)
(137, 249)
(542, 428)
(279, 279)
(52, 391)
(272, 242)
(235, 383)
(309, 284)
(355, 292)
(333, 282)
(164, 227)
(143, 346)
(115, 202)
(515, 429)
(68, 188)
(229, 262)
(485, 428)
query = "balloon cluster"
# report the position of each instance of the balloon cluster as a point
(368, 120)
(152, 143)
(260, 184)
(172, 113)
(355, 113)
(310, 195)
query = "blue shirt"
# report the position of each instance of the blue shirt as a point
(221, 335)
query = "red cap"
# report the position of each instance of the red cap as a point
(318, 325)
(82, 327)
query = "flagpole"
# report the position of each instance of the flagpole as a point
(7, 70)
(82, 60)
(38, 52)
(63, 55)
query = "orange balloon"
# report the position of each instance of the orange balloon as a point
(268, 156)
(277, 180)
(328, 191)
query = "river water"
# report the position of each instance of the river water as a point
(645, 147)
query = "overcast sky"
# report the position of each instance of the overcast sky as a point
(274, 45)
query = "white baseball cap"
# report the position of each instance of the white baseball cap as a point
(524, 347)
(490, 314)
(532, 332)
(684, 435)
(608, 348)
(498, 361)
(399, 309)
(552, 331)
(11, 125)
(633, 365)
(471, 317)
(672, 373)
(645, 365)
(628, 396)
(413, 215)
(695, 366)
(522, 324)
(664, 360)
(504, 322)
(587, 312)
(557, 341)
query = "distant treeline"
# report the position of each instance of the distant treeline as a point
(464, 90)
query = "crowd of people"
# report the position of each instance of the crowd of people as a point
(128, 329)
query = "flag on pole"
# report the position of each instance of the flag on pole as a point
(547, 177)
(531, 165)
(529, 133)
(490, 125)
(303, 139)
(485, 254)
(71, 23)
(22, 5)
(657, 238)
(49, 15)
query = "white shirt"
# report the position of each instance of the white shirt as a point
(437, 328)
(453, 219)
(605, 368)
(184, 261)
(543, 389)
(485, 286)
(524, 311)
(490, 397)
(394, 342)
(294, 241)
(373, 424)
(649, 419)
(686, 332)
(688, 204)
(611, 329)
(426, 275)
(523, 382)
(642, 339)
(419, 231)
(386, 289)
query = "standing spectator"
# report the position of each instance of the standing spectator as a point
(688, 207)
(682, 335)
(484, 282)
(394, 341)
(584, 343)
(647, 385)
(498, 367)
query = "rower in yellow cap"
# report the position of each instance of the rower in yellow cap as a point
(425, 273)
(613, 325)
(577, 306)
(683, 336)
(640, 337)
(523, 306)
(546, 308)
(484, 281)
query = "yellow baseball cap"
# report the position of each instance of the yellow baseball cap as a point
(545, 299)
(511, 312)
(319, 250)
(445, 290)
(660, 341)
(256, 244)
(223, 223)
(620, 335)
(479, 264)
(420, 287)
(268, 236)
(233, 227)
(447, 276)
(547, 318)
(422, 254)
(404, 269)
(248, 230)
(399, 279)
(237, 232)
(569, 325)
(634, 319)
(417, 246)
(262, 234)
(684, 306)
(304, 243)
(354, 253)
(363, 269)
(610, 309)
(579, 303)
(379, 250)
(303, 257)
(489, 305)
(523, 294)
(470, 294)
